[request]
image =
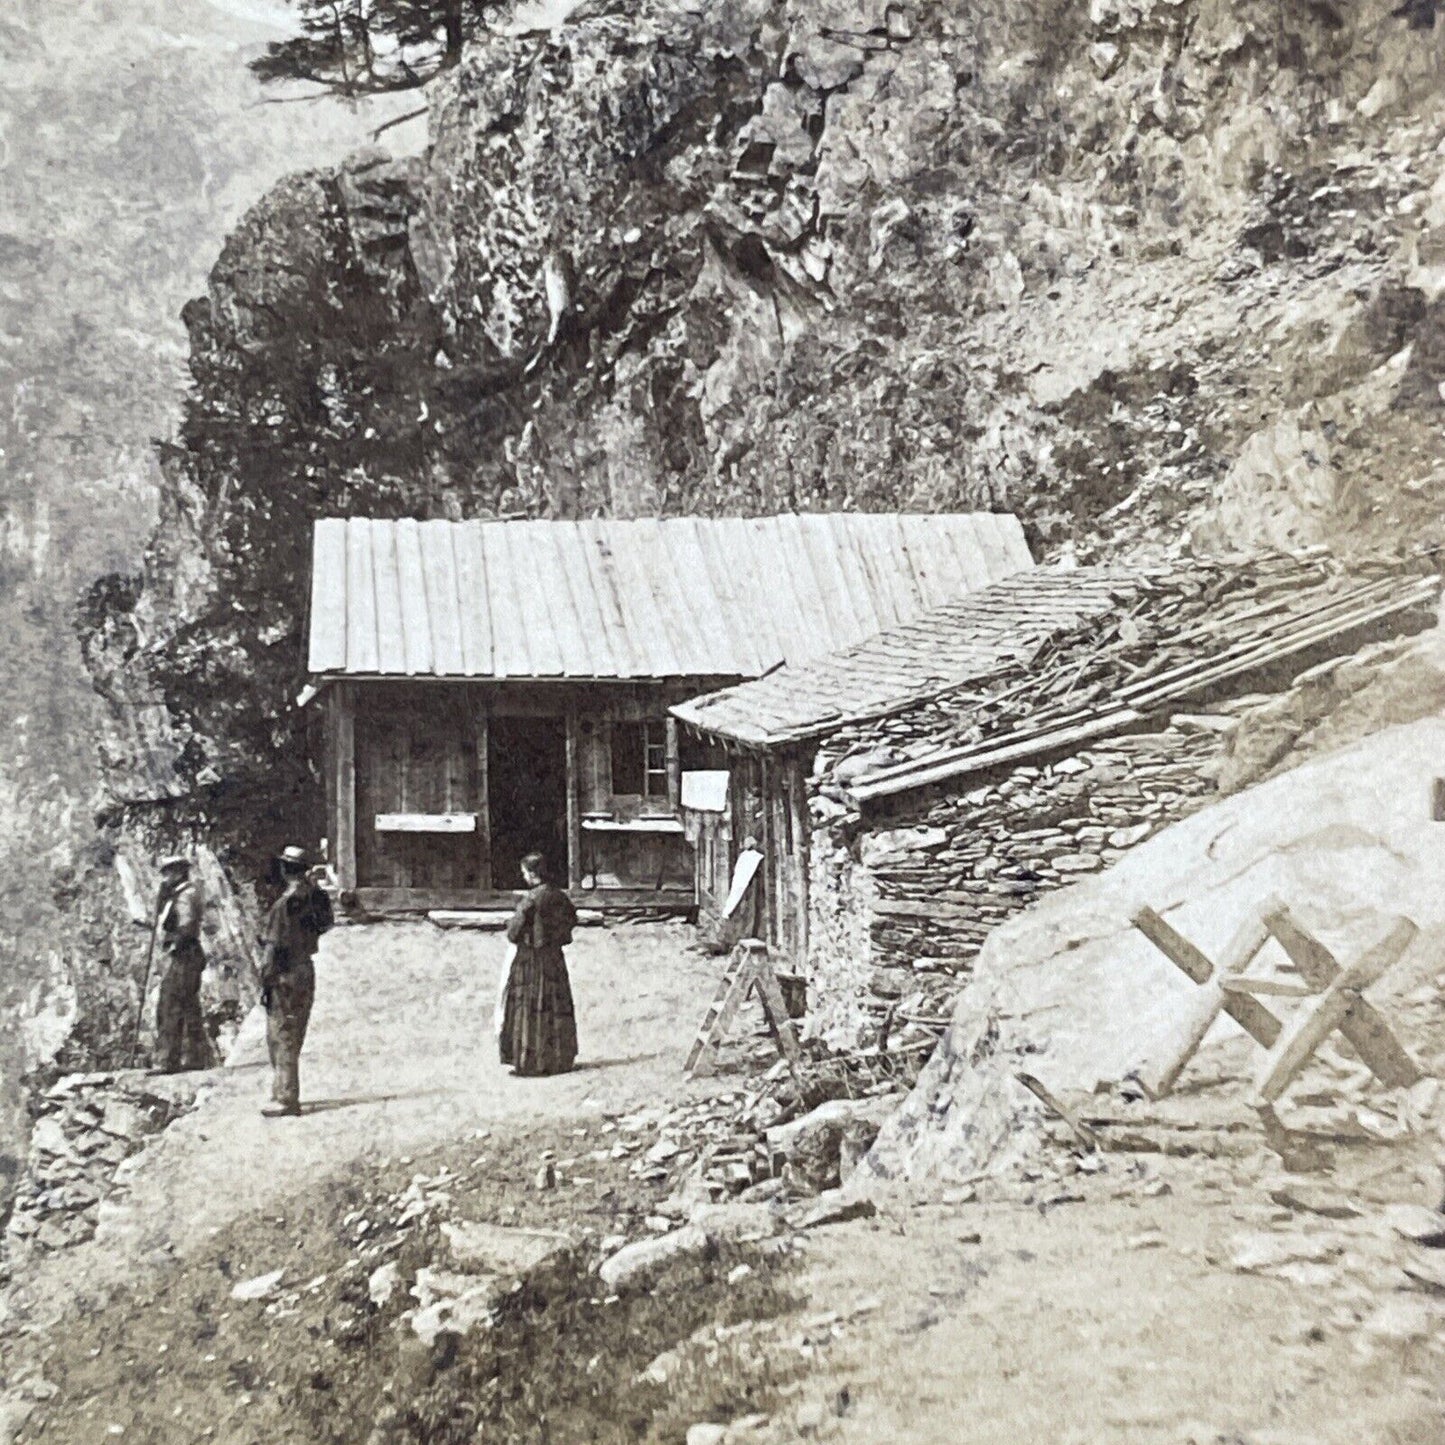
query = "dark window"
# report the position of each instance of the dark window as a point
(639, 759)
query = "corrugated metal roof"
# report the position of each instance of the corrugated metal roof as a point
(943, 649)
(684, 597)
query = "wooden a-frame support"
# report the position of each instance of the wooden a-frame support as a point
(1337, 993)
(749, 967)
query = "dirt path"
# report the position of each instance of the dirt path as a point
(400, 1057)
(1111, 1321)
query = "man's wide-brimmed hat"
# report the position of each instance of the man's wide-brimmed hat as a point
(292, 854)
(175, 860)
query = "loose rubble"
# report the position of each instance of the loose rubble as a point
(87, 1126)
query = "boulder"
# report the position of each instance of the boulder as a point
(258, 1287)
(501, 1249)
(837, 1206)
(641, 1262)
(383, 1283)
(452, 1303)
(811, 1147)
(735, 1222)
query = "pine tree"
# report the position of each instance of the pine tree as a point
(369, 47)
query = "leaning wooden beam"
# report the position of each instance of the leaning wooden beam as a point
(1085, 1134)
(1247, 1012)
(1340, 1005)
(1157, 1075)
(775, 1009)
(1363, 1025)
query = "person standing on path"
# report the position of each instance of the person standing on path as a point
(180, 1030)
(539, 1023)
(294, 926)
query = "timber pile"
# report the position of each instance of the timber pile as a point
(1102, 760)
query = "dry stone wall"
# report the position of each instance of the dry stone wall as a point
(924, 888)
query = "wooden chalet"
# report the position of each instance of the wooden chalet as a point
(905, 727)
(488, 689)
(770, 730)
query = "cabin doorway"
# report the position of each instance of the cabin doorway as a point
(527, 794)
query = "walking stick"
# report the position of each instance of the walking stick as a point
(140, 1012)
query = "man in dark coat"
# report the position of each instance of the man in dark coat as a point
(180, 1030)
(294, 927)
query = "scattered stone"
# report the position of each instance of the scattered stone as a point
(811, 1147)
(661, 1369)
(502, 1249)
(811, 1416)
(1403, 1318)
(1427, 1269)
(383, 1283)
(546, 1176)
(1272, 1253)
(637, 1263)
(1416, 1222)
(1145, 1239)
(1312, 1200)
(452, 1303)
(706, 1434)
(738, 1222)
(835, 1207)
(259, 1287)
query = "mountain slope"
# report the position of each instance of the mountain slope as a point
(131, 138)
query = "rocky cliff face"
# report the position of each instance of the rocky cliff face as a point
(131, 137)
(1160, 272)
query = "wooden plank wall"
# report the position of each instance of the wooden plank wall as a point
(344, 762)
(574, 800)
(423, 748)
(773, 790)
(412, 760)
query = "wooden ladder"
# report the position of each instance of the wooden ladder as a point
(748, 968)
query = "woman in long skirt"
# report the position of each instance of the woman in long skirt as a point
(538, 1033)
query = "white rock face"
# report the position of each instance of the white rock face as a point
(1072, 994)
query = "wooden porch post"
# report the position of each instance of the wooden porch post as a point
(674, 767)
(480, 719)
(574, 804)
(803, 854)
(343, 700)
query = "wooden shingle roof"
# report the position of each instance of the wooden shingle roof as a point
(942, 650)
(682, 597)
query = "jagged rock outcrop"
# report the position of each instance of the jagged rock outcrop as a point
(1145, 271)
